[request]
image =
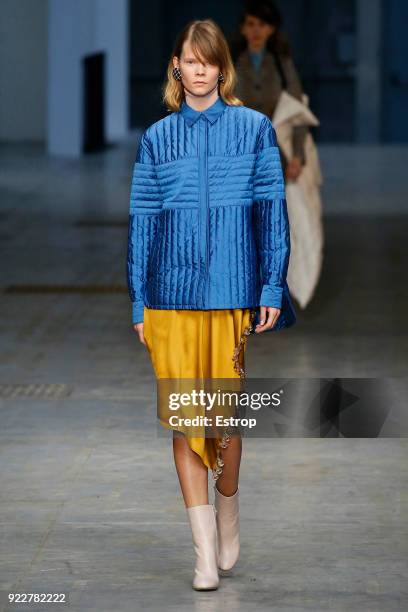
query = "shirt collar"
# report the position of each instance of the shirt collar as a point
(259, 53)
(211, 113)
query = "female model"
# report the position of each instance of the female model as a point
(208, 252)
(265, 67)
(268, 82)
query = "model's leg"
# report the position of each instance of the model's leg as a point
(227, 505)
(227, 482)
(193, 477)
(226, 485)
(174, 340)
(191, 471)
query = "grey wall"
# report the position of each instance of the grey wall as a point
(23, 70)
(368, 70)
(77, 28)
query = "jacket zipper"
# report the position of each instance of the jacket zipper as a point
(207, 229)
(200, 203)
(203, 210)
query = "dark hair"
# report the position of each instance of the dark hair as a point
(266, 10)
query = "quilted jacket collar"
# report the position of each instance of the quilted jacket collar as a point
(211, 113)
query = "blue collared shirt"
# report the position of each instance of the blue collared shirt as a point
(257, 58)
(211, 113)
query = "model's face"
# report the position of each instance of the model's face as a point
(197, 77)
(256, 31)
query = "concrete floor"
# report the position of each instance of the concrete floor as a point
(90, 504)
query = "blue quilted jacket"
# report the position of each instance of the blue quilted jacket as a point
(208, 222)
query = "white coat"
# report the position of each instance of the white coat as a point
(303, 200)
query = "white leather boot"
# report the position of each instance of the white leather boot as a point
(204, 532)
(227, 518)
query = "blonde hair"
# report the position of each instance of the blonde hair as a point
(208, 44)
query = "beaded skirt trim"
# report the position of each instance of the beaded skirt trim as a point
(226, 435)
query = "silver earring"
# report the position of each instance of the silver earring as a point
(221, 77)
(177, 74)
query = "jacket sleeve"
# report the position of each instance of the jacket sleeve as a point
(271, 222)
(145, 205)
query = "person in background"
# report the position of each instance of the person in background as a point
(264, 67)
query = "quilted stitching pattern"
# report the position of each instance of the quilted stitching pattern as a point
(208, 222)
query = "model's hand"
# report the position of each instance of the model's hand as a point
(268, 323)
(138, 327)
(293, 169)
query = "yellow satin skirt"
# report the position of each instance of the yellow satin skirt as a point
(195, 344)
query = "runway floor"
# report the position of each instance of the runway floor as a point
(90, 504)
